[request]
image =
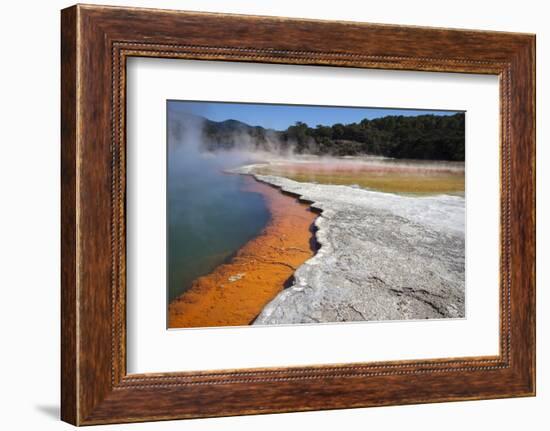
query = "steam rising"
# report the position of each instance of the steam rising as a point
(191, 148)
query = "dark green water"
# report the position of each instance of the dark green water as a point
(210, 216)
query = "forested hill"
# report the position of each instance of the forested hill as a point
(429, 137)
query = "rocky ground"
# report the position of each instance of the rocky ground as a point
(382, 257)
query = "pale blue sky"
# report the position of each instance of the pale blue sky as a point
(279, 117)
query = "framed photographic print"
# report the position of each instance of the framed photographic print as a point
(264, 214)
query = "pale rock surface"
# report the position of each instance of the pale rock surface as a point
(382, 257)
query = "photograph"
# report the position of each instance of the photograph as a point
(275, 215)
(282, 214)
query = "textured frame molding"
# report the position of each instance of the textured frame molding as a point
(96, 41)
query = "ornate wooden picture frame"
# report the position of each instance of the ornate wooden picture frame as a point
(96, 41)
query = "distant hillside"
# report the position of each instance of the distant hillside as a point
(428, 137)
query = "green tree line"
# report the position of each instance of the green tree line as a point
(429, 137)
